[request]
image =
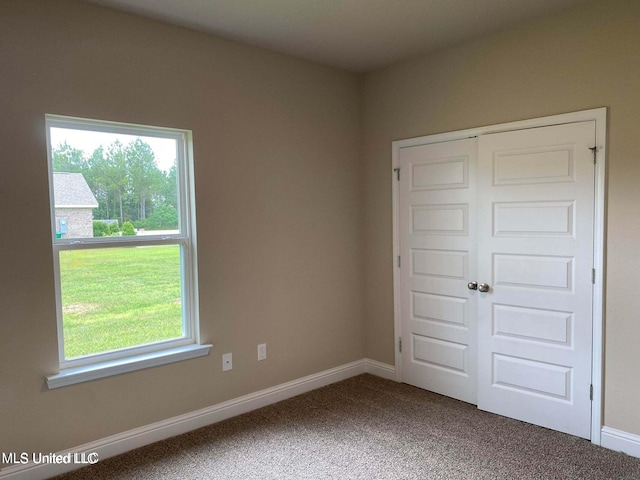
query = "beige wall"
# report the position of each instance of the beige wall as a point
(585, 58)
(278, 207)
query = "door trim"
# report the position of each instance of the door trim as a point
(599, 115)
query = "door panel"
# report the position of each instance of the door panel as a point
(438, 248)
(535, 249)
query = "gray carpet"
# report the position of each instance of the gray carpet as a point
(368, 428)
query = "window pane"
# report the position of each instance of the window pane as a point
(106, 183)
(114, 298)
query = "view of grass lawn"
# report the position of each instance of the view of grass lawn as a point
(115, 298)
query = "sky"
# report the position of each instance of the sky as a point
(164, 149)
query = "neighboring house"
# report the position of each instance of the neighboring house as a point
(74, 201)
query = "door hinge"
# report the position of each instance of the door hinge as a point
(397, 170)
(593, 276)
(399, 261)
(594, 150)
(590, 392)
(400, 344)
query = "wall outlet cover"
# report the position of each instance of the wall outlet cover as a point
(262, 351)
(227, 362)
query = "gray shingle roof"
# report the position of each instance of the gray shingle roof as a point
(71, 190)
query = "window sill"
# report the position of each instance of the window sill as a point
(130, 364)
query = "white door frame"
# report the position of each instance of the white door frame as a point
(599, 115)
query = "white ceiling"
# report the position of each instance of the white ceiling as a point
(355, 35)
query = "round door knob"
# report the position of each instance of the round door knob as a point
(472, 285)
(483, 287)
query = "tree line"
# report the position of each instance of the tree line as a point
(126, 182)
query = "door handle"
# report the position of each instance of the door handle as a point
(483, 287)
(472, 285)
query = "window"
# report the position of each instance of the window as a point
(123, 236)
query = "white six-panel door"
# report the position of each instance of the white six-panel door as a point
(513, 211)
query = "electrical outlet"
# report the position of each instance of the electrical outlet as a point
(262, 351)
(227, 362)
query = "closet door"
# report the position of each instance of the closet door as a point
(438, 258)
(535, 253)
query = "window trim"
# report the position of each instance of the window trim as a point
(103, 364)
(105, 369)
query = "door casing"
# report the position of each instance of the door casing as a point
(599, 115)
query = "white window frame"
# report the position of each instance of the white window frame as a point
(104, 364)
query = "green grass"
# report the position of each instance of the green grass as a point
(115, 298)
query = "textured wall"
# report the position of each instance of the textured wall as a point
(79, 222)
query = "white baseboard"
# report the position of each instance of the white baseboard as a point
(620, 441)
(380, 369)
(139, 437)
